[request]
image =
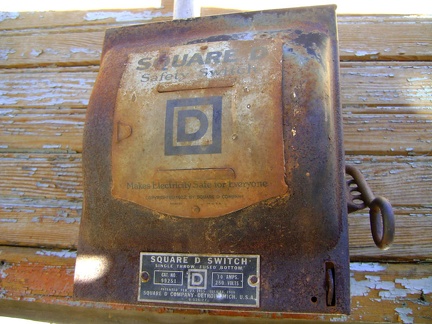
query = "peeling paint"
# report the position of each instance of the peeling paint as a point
(74, 195)
(46, 91)
(393, 294)
(51, 51)
(4, 266)
(77, 50)
(365, 53)
(417, 285)
(59, 254)
(36, 53)
(8, 15)
(403, 313)
(359, 288)
(8, 220)
(342, 318)
(67, 220)
(47, 146)
(125, 15)
(6, 111)
(4, 53)
(388, 290)
(417, 79)
(395, 171)
(367, 267)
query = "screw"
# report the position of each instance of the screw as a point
(145, 276)
(196, 209)
(253, 280)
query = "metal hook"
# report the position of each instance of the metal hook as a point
(382, 222)
(381, 212)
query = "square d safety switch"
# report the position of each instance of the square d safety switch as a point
(214, 166)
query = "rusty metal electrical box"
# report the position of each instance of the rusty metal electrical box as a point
(214, 166)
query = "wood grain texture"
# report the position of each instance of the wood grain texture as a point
(361, 38)
(23, 22)
(413, 237)
(48, 65)
(47, 87)
(42, 197)
(386, 108)
(379, 291)
(56, 225)
(362, 84)
(41, 129)
(61, 130)
(45, 176)
(404, 180)
(388, 134)
(40, 222)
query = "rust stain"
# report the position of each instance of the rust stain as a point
(298, 224)
(199, 109)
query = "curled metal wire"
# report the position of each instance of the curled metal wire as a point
(360, 196)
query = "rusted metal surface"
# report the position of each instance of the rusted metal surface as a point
(206, 127)
(360, 196)
(298, 227)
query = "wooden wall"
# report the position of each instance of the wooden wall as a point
(48, 64)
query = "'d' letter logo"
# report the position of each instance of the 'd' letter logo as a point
(193, 126)
(197, 279)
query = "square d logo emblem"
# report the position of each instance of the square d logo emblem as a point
(193, 126)
(197, 279)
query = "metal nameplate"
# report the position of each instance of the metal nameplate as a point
(198, 128)
(197, 279)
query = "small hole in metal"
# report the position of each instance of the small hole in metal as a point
(314, 299)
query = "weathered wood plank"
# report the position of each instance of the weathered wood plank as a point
(40, 222)
(39, 129)
(380, 292)
(403, 180)
(55, 224)
(412, 242)
(49, 176)
(386, 84)
(61, 130)
(367, 90)
(362, 84)
(16, 22)
(387, 134)
(406, 287)
(70, 87)
(68, 49)
(371, 38)
(365, 38)
(387, 113)
(34, 214)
